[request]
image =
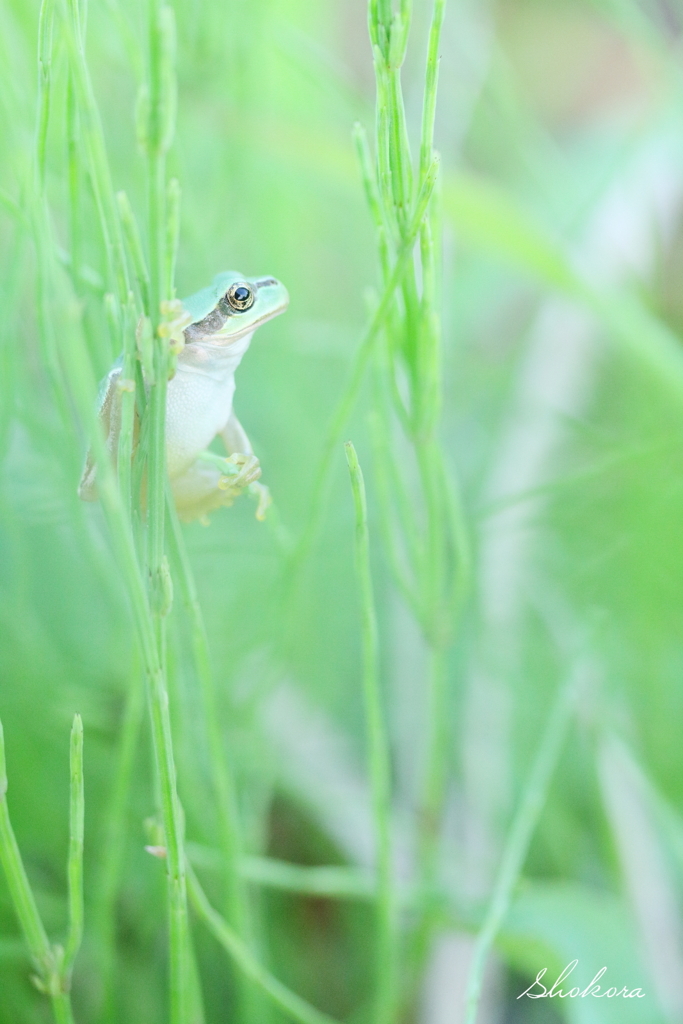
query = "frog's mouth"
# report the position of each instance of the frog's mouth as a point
(223, 325)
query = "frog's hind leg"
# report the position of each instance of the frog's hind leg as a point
(110, 420)
(234, 437)
(198, 491)
(240, 451)
(238, 447)
(212, 482)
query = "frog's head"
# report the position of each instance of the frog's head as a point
(232, 306)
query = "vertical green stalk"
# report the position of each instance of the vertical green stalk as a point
(435, 775)
(364, 352)
(45, 29)
(289, 1003)
(127, 385)
(149, 609)
(160, 601)
(131, 383)
(393, 500)
(90, 132)
(172, 236)
(372, 196)
(75, 179)
(431, 84)
(519, 839)
(431, 563)
(131, 234)
(149, 603)
(75, 860)
(429, 812)
(44, 106)
(47, 959)
(222, 779)
(379, 758)
(104, 910)
(158, 134)
(122, 504)
(17, 880)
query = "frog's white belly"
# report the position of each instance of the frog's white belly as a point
(198, 406)
(199, 398)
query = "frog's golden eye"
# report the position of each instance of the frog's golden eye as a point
(240, 296)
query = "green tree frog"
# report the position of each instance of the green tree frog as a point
(221, 321)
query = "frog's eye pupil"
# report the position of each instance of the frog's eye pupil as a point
(240, 297)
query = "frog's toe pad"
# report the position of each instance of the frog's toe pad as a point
(249, 471)
(262, 495)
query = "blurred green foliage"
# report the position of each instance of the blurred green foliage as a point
(559, 129)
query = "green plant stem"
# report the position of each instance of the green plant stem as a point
(431, 571)
(432, 567)
(159, 130)
(104, 912)
(382, 138)
(444, 577)
(82, 387)
(61, 1007)
(429, 819)
(379, 757)
(363, 353)
(158, 134)
(431, 83)
(75, 862)
(173, 830)
(45, 88)
(394, 506)
(127, 385)
(294, 1006)
(443, 587)
(17, 880)
(171, 811)
(437, 756)
(337, 881)
(75, 178)
(399, 152)
(91, 132)
(172, 236)
(46, 959)
(333, 881)
(131, 233)
(222, 779)
(45, 29)
(516, 847)
(148, 610)
(160, 599)
(462, 546)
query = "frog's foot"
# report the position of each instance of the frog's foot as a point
(262, 496)
(212, 481)
(248, 470)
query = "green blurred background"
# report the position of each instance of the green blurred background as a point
(560, 125)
